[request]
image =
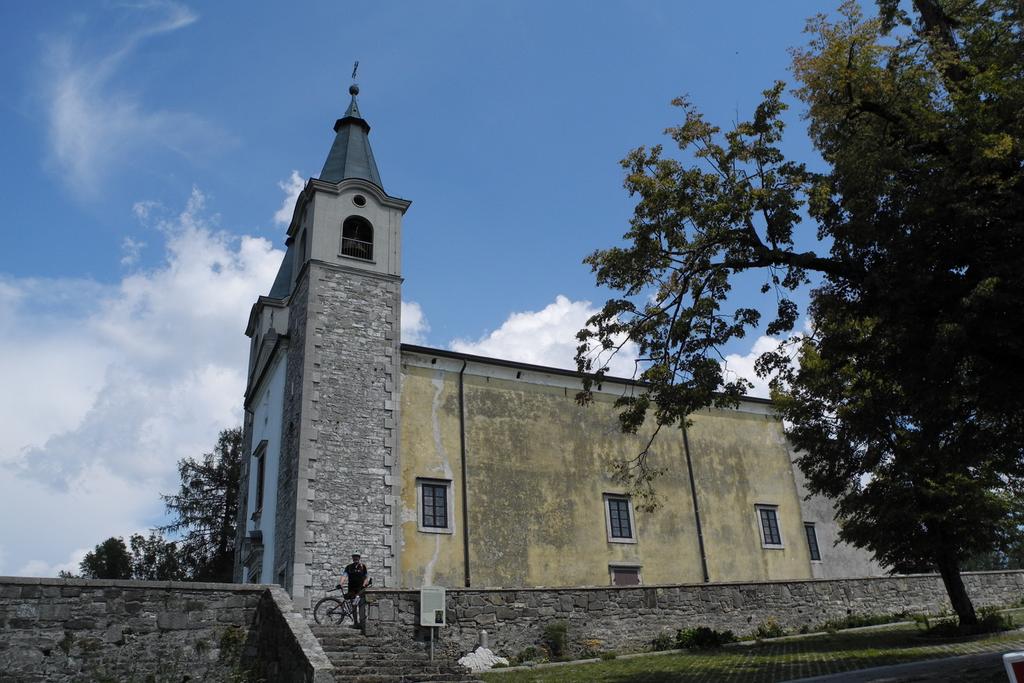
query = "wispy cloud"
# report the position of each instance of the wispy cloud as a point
(93, 125)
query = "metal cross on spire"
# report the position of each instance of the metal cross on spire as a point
(354, 88)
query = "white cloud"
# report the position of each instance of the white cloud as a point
(414, 323)
(41, 568)
(545, 337)
(737, 365)
(116, 383)
(92, 125)
(742, 366)
(292, 188)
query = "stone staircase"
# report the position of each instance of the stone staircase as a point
(359, 658)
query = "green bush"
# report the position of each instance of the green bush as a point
(590, 648)
(990, 620)
(662, 641)
(859, 620)
(531, 654)
(608, 655)
(703, 638)
(555, 637)
(769, 628)
(922, 620)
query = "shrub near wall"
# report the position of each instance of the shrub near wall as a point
(99, 630)
(625, 619)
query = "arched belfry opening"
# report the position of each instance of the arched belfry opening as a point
(357, 238)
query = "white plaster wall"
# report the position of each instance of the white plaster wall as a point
(838, 560)
(266, 424)
(330, 212)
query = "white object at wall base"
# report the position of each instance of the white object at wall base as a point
(482, 659)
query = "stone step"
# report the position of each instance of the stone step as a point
(381, 656)
(400, 662)
(331, 641)
(405, 678)
(358, 658)
(364, 646)
(342, 658)
(396, 664)
(356, 638)
(397, 669)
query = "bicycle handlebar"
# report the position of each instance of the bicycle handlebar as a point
(341, 587)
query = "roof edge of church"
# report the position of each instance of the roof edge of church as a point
(458, 355)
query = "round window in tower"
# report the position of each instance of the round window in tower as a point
(359, 200)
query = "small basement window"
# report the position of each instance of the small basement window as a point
(357, 238)
(624, 575)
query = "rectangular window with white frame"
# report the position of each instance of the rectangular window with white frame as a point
(812, 542)
(434, 506)
(768, 524)
(619, 520)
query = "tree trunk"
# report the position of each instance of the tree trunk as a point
(949, 569)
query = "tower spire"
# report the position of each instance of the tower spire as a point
(350, 155)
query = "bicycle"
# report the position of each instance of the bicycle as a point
(331, 611)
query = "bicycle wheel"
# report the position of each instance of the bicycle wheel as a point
(330, 611)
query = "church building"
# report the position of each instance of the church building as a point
(448, 469)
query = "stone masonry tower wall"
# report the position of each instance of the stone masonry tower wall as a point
(340, 450)
(349, 434)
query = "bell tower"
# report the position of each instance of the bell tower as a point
(337, 486)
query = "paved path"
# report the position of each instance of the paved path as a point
(841, 658)
(980, 667)
(966, 668)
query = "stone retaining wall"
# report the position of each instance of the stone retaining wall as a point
(624, 619)
(149, 631)
(284, 647)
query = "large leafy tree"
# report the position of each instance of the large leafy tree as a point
(154, 558)
(108, 560)
(906, 401)
(151, 558)
(205, 508)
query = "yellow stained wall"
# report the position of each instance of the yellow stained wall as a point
(740, 460)
(538, 465)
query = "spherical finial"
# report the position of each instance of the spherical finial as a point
(353, 90)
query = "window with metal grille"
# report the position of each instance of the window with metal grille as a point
(770, 533)
(435, 505)
(620, 524)
(357, 238)
(812, 542)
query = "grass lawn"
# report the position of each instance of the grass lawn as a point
(777, 661)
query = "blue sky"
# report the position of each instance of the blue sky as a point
(150, 147)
